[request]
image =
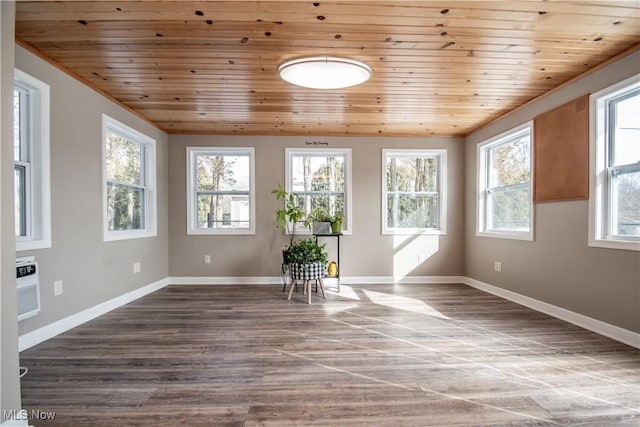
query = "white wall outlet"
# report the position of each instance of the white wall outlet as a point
(136, 267)
(57, 287)
(497, 266)
(207, 259)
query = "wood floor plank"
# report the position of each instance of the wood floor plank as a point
(445, 355)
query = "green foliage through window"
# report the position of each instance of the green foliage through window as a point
(222, 189)
(506, 165)
(124, 166)
(412, 190)
(318, 181)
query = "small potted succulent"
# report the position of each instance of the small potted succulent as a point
(336, 222)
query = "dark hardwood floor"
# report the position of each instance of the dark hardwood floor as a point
(427, 355)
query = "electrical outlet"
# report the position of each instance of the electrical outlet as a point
(57, 288)
(136, 267)
(497, 266)
(207, 259)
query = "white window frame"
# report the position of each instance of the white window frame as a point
(441, 156)
(600, 174)
(347, 226)
(38, 177)
(482, 205)
(192, 222)
(150, 198)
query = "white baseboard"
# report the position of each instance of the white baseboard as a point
(39, 335)
(391, 280)
(614, 332)
(346, 280)
(214, 280)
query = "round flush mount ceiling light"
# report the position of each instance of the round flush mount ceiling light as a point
(324, 72)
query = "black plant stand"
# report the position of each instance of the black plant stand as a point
(337, 236)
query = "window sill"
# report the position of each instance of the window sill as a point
(615, 244)
(413, 232)
(221, 232)
(28, 245)
(528, 237)
(127, 235)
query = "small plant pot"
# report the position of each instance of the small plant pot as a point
(321, 227)
(336, 227)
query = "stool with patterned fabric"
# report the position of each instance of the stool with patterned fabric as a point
(306, 273)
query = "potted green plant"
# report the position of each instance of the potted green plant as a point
(336, 222)
(307, 262)
(321, 221)
(307, 251)
(291, 214)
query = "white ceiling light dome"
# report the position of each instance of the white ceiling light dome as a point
(324, 72)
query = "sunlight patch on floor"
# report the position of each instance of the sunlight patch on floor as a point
(345, 292)
(403, 303)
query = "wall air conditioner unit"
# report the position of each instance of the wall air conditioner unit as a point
(28, 287)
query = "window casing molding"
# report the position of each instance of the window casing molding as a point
(345, 154)
(193, 191)
(484, 191)
(603, 171)
(440, 194)
(35, 165)
(147, 187)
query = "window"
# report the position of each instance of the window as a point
(614, 217)
(414, 191)
(31, 163)
(129, 182)
(321, 178)
(505, 206)
(220, 190)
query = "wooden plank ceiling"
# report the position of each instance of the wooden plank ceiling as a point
(439, 68)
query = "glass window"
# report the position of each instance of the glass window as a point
(413, 191)
(615, 198)
(321, 178)
(505, 206)
(129, 168)
(32, 204)
(221, 191)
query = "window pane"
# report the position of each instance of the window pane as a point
(20, 197)
(510, 163)
(331, 203)
(124, 160)
(412, 174)
(509, 209)
(627, 215)
(627, 131)
(412, 211)
(317, 173)
(222, 173)
(17, 146)
(223, 211)
(125, 207)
